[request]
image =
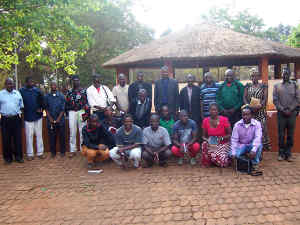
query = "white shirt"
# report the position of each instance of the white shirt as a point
(100, 98)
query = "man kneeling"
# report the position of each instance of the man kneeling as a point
(96, 141)
(156, 142)
(246, 139)
(128, 141)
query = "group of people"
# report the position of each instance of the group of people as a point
(228, 119)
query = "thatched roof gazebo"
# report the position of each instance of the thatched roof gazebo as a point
(207, 45)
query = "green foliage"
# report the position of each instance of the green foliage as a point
(294, 37)
(115, 32)
(244, 22)
(30, 25)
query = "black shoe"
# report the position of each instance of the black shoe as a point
(53, 155)
(62, 155)
(7, 162)
(163, 164)
(90, 165)
(19, 160)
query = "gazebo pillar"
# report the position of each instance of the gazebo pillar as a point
(124, 70)
(263, 65)
(171, 70)
(277, 71)
(297, 70)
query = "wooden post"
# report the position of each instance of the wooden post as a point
(171, 70)
(264, 69)
(124, 70)
(297, 70)
(277, 71)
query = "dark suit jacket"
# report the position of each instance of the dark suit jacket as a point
(144, 122)
(173, 95)
(195, 112)
(134, 88)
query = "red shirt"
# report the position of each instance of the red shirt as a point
(220, 130)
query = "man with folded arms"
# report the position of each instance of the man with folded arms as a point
(156, 142)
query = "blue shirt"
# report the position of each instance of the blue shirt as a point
(208, 95)
(11, 103)
(55, 104)
(33, 101)
(185, 131)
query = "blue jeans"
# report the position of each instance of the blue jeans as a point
(247, 149)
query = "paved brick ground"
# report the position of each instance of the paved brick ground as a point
(60, 191)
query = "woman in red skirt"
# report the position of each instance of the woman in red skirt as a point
(216, 136)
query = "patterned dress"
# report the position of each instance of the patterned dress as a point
(216, 154)
(261, 115)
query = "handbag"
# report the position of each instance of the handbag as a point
(254, 102)
(244, 165)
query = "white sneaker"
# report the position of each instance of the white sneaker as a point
(180, 161)
(193, 161)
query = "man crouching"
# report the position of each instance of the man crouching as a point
(96, 141)
(156, 142)
(128, 140)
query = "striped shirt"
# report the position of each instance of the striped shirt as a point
(208, 96)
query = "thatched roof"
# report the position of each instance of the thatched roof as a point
(204, 43)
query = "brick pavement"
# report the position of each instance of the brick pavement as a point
(60, 191)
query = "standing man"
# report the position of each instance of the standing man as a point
(99, 97)
(33, 113)
(120, 92)
(286, 98)
(185, 135)
(11, 104)
(156, 142)
(189, 99)
(128, 141)
(166, 92)
(55, 109)
(230, 97)
(76, 105)
(208, 94)
(139, 84)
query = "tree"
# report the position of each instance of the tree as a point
(294, 37)
(29, 26)
(115, 31)
(244, 22)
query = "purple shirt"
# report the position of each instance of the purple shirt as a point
(241, 135)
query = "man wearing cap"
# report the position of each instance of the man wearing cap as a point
(189, 99)
(139, 84)
(99, 97)
(166, 92)
(11, 103)
(120, 92)
(76, 105)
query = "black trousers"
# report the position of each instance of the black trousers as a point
(286, 128)
(235, 117)
(53, 132)
(11, 138)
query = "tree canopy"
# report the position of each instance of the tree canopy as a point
(244, 22)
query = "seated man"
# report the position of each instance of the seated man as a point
(140, 109)
(166, 121)
(185, 138)
(128, 140)
(156, 142)
(96, 141)
(246, 139)
(111, 123)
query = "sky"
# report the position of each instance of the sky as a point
(176, 14)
